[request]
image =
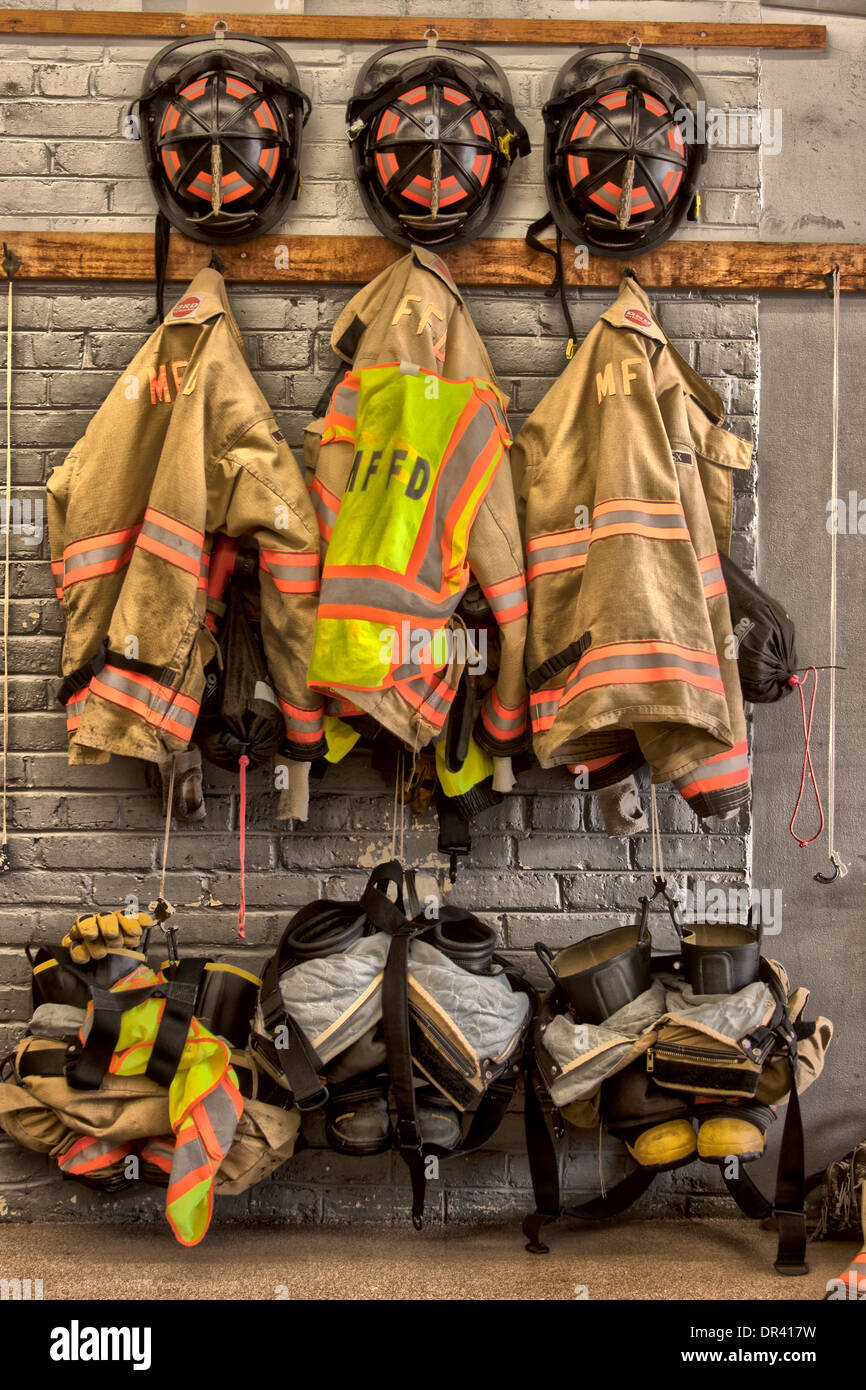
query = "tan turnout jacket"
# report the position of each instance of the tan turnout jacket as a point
(185, 446)
(407, 335)
(625, 484)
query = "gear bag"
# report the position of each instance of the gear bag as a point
(742, 1046)
(122, 1062)
(766, 651)
(240, 715)
(356, 989)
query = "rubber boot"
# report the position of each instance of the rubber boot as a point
(356, 1117)
(733, 1131)
(439, 1121)
(654, 1124)
(668, 1145)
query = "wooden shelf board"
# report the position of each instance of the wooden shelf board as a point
(390, 28)
(693, 265)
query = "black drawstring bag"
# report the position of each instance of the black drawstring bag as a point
(239, 713)
(766, 652)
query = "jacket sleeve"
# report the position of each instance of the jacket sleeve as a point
(57, 504)
(496, 559)
(267, 501)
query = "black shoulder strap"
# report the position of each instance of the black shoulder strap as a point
(181, 992)
(544, 1171)
(789, 1205)
(161, 239)
(87, 1067)
(558, 281)
(300, 1063)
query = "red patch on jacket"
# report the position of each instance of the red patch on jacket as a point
(636, 316)
(186, 307)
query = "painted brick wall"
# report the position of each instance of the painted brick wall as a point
(541, 865)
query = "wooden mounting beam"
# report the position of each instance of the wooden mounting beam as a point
(393, 29)
(681, 265)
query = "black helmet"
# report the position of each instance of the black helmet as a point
(222, 137)
(619, 174)
(433, 135)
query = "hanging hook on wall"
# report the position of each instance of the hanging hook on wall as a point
(11, 264)
(220, 29)
(432, 36)
(829, 278)
(216, 261)
(635, 44)
(839, 870)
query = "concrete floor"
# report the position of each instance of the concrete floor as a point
(693, 1259)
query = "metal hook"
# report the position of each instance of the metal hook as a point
(11, 263)
(220, 29)
(432, 36)
(828, 276)
(635, 44)
(839, 870)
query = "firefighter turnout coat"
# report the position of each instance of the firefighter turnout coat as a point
(184, 447)
(625, 484)
(413, 494)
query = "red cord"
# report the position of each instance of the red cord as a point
(807, 756)
(243, 763)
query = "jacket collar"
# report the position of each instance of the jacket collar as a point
(363, 307)
(435, 264)
(202, 301)
(633, 312)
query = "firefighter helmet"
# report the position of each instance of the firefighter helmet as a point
(222, 137)
(619, 170)
(433, 136)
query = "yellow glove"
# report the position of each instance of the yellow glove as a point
(92, 937)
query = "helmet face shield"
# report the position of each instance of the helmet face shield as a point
(619, 174)
(433, 139)
(222, 138)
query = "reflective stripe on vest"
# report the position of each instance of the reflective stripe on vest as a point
(426, 450)
(204, 1106)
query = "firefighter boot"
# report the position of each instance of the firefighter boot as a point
(732, 1131)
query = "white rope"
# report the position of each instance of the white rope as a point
(658, 860)
(3, 860)
(834, 492)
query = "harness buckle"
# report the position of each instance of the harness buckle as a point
(408, 1134)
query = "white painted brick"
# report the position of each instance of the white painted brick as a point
(23, 157)
(63, 80)
(16, 79)
(118, 80)
(134, 196)
(118, 158)
(727, 207)
(27, 195)
(70, 118)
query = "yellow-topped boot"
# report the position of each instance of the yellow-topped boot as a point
(735, 1131)
(667, 1145)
